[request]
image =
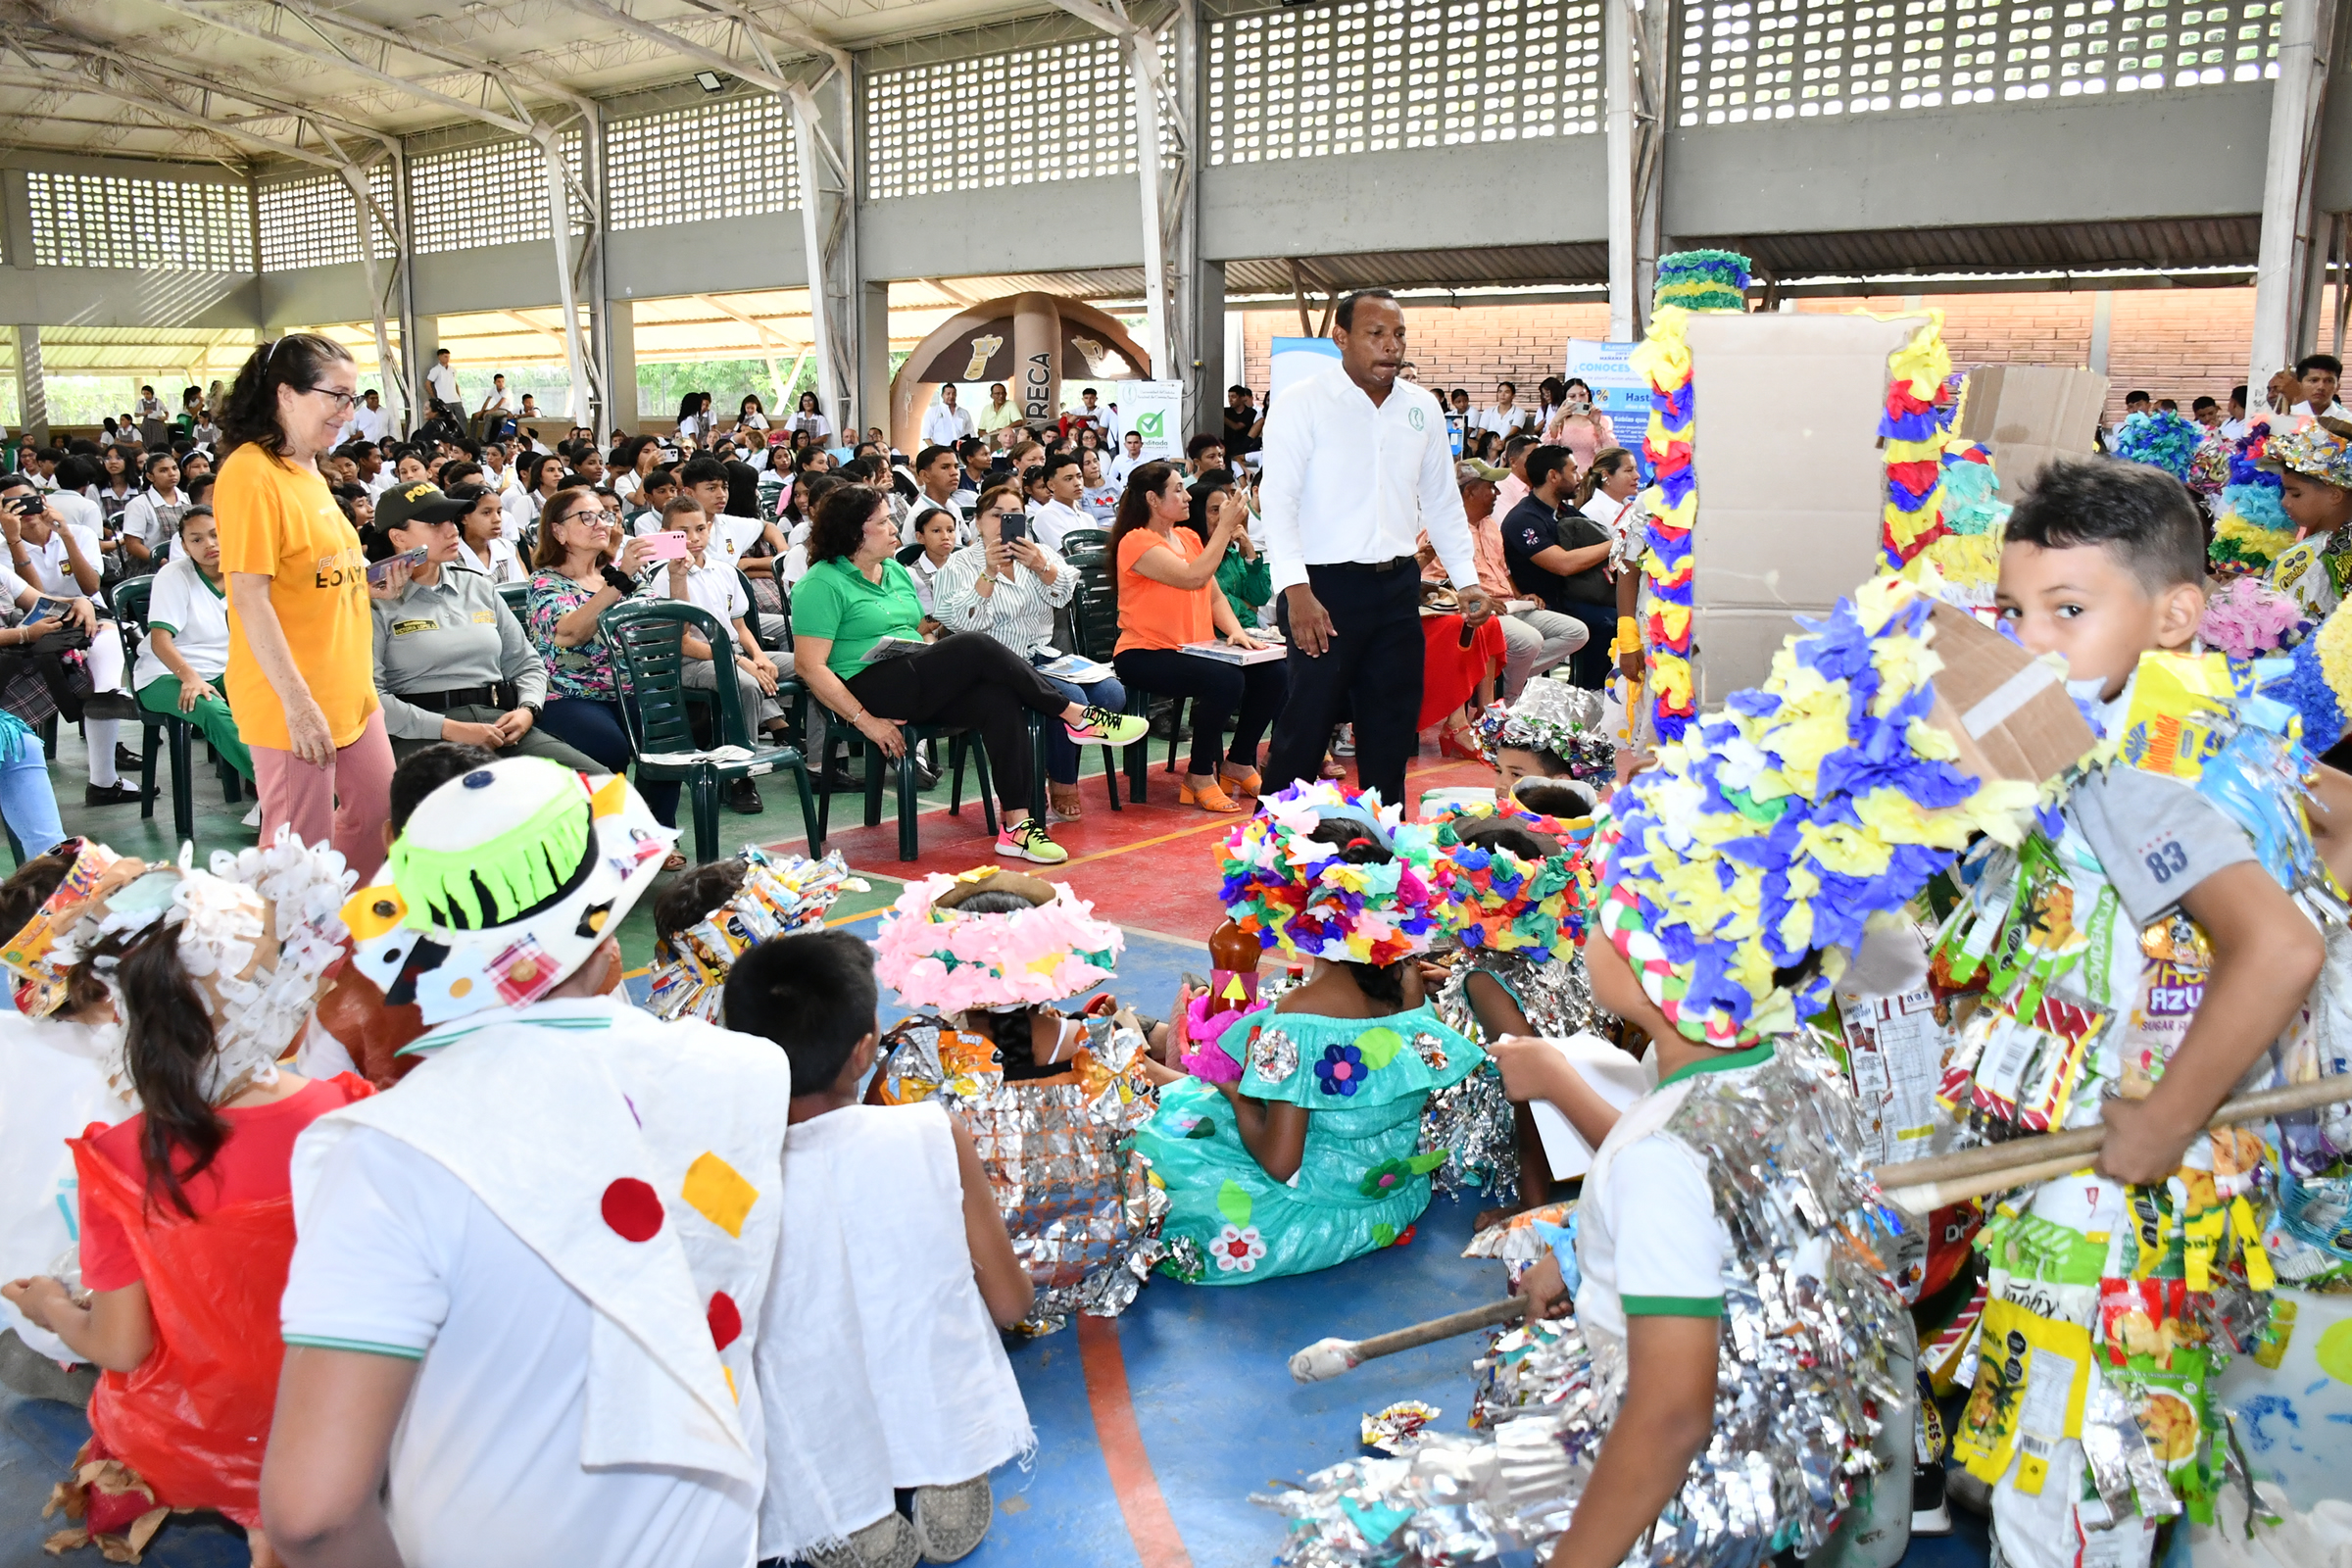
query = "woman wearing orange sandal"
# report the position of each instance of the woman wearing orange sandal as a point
(1169, 597)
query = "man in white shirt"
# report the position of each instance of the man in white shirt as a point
(945, 423)
(1066, 479)
(2235, 427)
(1129, 458)
(442, 381)
(496, 409)
(1506, 418)
(371, 420)
(935, 470)
(1000, 412)
(2321, 375)
(1357, 467)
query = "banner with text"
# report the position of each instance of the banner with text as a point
(1154, 411)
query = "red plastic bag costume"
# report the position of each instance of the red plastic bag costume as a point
(195, 1419)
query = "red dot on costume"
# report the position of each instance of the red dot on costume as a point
(633, 1210)
(727, 1319)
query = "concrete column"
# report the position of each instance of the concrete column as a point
(873, 347)
(2102, 325)
(428, 344)
(33, 395)
(1208, 371)
(2307, 29)
(16, 219)
(620, 339)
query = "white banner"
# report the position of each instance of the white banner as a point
(1154, 411)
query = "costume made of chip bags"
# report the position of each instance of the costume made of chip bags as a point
(2315, 570)
(1735, 875)
(641, 1160)
(1081, 1212)
(1519, 923)
(2109, 1309)
(256, 934)
(779, 897)
(1363, 1178)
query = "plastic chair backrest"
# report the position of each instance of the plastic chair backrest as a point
(752, 616)
(1084, 541)
(1096, 618)
(128, 599)
(647, 638)
(517, 596)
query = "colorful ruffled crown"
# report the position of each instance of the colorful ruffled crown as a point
(1799, 811)
(1704, 280)
(1297, 893)
(942, 957)
(1497, 898)
(777, 896)
(2163, 440)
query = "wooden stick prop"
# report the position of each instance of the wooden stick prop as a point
(1328, 1358)
(1918, 1185)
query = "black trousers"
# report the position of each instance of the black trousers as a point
(968, 679)
(1218, 693)
(1589, 666)
(1371, 672)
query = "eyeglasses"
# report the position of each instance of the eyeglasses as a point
(343, 402)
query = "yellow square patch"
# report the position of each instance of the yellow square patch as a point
(718, 1193)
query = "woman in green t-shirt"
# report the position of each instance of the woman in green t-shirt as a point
(858, 645)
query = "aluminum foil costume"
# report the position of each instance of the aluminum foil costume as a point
(1553, 716)
(1520, 923)
(1734, 904)
(1083, 1214)
(777, 898)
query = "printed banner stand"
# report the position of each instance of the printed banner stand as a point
(1154, 411)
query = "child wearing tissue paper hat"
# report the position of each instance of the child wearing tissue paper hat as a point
(1312, 1157)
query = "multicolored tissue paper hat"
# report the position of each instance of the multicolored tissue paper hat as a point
(1298, 894)
(1885, 737)
(40, 981)
(2318, 451)
(934, 953)
(1495, 897)
(504, 881)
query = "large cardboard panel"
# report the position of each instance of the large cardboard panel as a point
(2030, 414)
(1792, 485)
(2008, 712)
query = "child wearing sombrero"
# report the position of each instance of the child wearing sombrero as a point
(1312, 1157)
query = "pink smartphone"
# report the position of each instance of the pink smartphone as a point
(667, 546)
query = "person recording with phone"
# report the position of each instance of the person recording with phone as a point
(56, 560)
(695, 573)
(452, 662)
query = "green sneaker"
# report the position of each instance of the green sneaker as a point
(1100, 725)
(1028, 840)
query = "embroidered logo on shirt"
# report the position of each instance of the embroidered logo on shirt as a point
(1414, 417)
(402, 628)
(485, 618)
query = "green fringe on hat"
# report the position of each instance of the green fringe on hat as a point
(520, 869)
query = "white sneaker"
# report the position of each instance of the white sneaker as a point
(253, 818)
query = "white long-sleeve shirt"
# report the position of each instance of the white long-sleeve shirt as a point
(944, 426)
(1346, 480)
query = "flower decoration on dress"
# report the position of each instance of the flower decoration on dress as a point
(1300, 895)
(1499, 899)
(1342, 1070)
(2249, 620)
(1800, 809)
(2163, 440)
(936, 956)
(1912, 436)
(1392, 1175)
(777, 896)
(1237, 1249)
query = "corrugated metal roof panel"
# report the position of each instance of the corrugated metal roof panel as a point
(2156, 246)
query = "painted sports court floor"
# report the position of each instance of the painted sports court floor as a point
(1154, 1428)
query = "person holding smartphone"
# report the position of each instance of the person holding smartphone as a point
(53, 558)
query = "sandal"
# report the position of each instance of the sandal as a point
(1243, 780)
(1208, 796)
(1332, 767)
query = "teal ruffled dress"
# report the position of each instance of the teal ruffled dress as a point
(1361, 1181)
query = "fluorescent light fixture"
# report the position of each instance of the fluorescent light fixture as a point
(711, 81)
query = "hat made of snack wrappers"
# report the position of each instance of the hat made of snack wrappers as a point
(29, 956)
(504, 881)
(1887, 735)
(1303, 896)
(934, 954)
(777, 898)
(2319, 450)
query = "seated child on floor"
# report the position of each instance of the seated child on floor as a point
(711, 914)
(1048, 1098)
(1312, 1157)
(187, 1219)
(879, 1361)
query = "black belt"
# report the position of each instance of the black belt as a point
(1399, 563)
(499, 696)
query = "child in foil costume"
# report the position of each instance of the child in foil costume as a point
(1554, 730)
(713, 913)
(2313, 465)
(1311, 1156)
(1515, 904)
(1727, 1218)
(186, 1222)
(1048, 1099)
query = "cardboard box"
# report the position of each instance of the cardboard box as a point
(2030, 414)
(2008, 712)
(1792, 483)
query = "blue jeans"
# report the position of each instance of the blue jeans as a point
(27, 804)
(1061, 752)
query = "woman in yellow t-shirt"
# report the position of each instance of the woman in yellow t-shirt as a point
(301, 676)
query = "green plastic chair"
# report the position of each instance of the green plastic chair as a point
(962, 743)
(517, 596)
(646, 638)
(130, 599)
(1084, 542)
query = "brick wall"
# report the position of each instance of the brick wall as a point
(2176, 343)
